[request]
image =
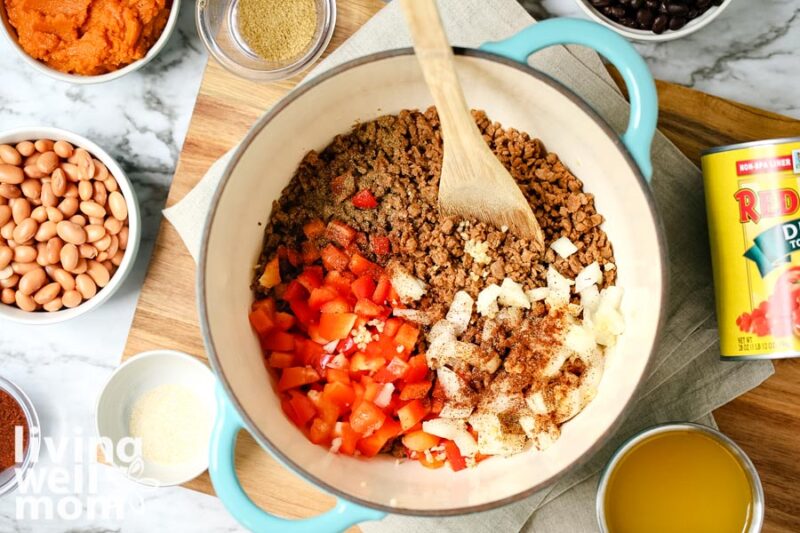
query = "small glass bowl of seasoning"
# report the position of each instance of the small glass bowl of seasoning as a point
(680, 477)
(654, 20)
(16, 411)
(266, 40)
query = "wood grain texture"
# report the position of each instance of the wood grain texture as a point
(765, 421)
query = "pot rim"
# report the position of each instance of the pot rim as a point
(208, 341)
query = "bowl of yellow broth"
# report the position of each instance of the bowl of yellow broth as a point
(680, 478)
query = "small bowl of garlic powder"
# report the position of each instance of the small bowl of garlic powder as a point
(266, 40)
(154, 418)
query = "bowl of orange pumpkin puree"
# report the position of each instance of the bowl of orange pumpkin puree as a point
(88, 41)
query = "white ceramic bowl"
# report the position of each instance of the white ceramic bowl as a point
(10, 34)
(362, 90)
(648, 36)
(138, 375)
(134, 226)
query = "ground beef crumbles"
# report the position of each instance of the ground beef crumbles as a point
(381, 180)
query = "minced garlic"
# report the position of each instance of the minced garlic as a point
(478, 250)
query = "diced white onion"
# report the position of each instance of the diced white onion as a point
(487, 300)
(513, 295)
(538, 294)
(460, 311)
(590, 275)
(413, 315)
(564, 247)
(383, 397)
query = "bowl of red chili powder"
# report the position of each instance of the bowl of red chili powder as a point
(19, 435)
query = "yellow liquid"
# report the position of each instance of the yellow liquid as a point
(678, 482)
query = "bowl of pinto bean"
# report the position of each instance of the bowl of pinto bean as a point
(69, 225)
(654, 20)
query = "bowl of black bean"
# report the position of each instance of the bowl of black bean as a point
(654, 20)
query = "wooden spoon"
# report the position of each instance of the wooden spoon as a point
(473, 182)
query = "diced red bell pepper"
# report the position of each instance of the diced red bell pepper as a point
(360, 265)
(334, 259)
(391, 326)
(336, 326)
(310, 353)
(438, 397)
(396, 369)
(407, 337)
(337, 305)
(383, 348)
(295, 291)
(288, 410)
(277, 340)
(341, 281)
(303, 312)
(311, 277)
(349, 438)
(328, 411)
(290, 254)
(261, 322)
(368, 308)
(266, 304)
(340, 394)
(371, 388)
(340, 233)
(284, 321)
(367, 417)
(364, 199)
(411, 414)
(417, 369)
(337, 375)
(433, 462)
(303, 407)
(309, 252)
(361, 362)
(281, 359)
(316, 336)
(320, 432)
(454, 456)
(414, 391)
(271, 275)
(347, 346)
(297, 376)
(419, 441)
(313, 229)
(372, 445)
(382, 291)
(321, 296)
(363, 287)
(381, 245)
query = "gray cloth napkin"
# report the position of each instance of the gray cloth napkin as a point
(687, 380)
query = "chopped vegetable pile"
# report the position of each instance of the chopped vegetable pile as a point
(349, 375)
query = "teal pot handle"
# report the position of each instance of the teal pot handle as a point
(641, 88)
(223, 476)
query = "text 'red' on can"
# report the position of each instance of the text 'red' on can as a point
(753, 201)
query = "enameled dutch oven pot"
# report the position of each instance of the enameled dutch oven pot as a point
(497, 79)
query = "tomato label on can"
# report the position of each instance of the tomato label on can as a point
(753, 203)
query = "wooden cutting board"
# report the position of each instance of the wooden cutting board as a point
(766, 421)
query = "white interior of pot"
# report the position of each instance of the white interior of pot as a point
(515, 99)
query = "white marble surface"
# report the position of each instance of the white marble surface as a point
(750, 54)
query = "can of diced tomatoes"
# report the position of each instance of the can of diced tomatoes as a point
(753, 201)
